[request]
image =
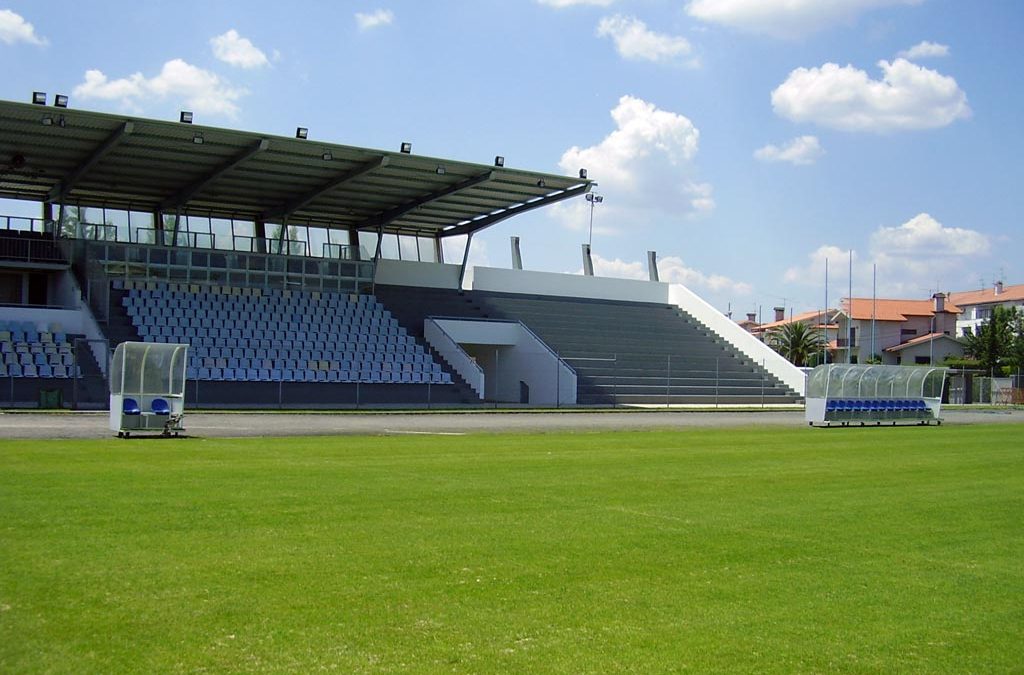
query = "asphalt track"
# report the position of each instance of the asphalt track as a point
(24, 425)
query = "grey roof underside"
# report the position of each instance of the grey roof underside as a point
(114, 161)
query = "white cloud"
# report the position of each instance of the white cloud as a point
(381, 17)
(644, 167)
(634, 41)
(909, 259)
(235, 50)
(922, 235)
(925, 50)
(14, 28)
(785, 18)
(671, 269)
(200, 90)
(846, 98)
(560, 4)
(801, 151)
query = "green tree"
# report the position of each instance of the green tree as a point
(796, 342)
(993, 344)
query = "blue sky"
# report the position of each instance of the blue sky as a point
(746, 141)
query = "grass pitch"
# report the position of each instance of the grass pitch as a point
(855, 550)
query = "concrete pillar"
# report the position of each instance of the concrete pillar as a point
(652, 265)
(588, 263)
(517, 256)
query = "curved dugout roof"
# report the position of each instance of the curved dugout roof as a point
(64, 155)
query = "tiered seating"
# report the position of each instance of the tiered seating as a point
(27, 351)
(623, 352)
(271, 335)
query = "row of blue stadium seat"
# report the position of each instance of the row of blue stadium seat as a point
(277, 326)
(307, 375)
(37, 358)
(209, 301)
(287, 314)
(44, 370)
(285, 339)
(318, 364)
(876, 408)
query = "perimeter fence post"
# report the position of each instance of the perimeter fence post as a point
(615, 380)
(716, 382)
(763, 372)
(668, 383)
(558, 381)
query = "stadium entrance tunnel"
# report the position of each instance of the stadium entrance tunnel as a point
(503, 361)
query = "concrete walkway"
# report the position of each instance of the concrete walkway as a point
(15, 425)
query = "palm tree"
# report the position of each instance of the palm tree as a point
(795, 341)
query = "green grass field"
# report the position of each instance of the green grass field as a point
(729, 550)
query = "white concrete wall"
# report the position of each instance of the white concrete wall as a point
(568, 285)
(413, 273)
(509, 353)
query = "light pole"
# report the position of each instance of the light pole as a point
(594, 201)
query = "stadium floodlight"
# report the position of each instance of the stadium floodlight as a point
(47, 120)
(60, 100)
(61, 122)
(185, 117)
(327, 156)
(440, 170)
(583, 174)
(198, 139)
(541, 183)
(499, 160)
(301, 133)
(39, 97)
(406, 147)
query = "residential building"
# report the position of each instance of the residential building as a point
(976, 306)
(897, 331)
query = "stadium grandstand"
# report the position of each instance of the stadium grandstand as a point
(309, 274)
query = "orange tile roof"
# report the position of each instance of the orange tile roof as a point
(893, 310)
(988, 296)
(920, 339)
(805, 317)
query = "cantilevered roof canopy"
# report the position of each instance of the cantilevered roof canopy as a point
(62, 155)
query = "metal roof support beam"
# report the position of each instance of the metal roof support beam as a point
(482, 223)
(286, 210)
(396, 213)
(465, 260)
(186, 193)
(61, 190)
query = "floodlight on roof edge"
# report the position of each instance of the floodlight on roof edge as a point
(47, 120)
(499, 160)
(60, 101)
(198, 138)
(441, 170)
(39, 97)
(185, 117)
(406, 148)
(302, 133)
(327, 156)
(583, 174)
